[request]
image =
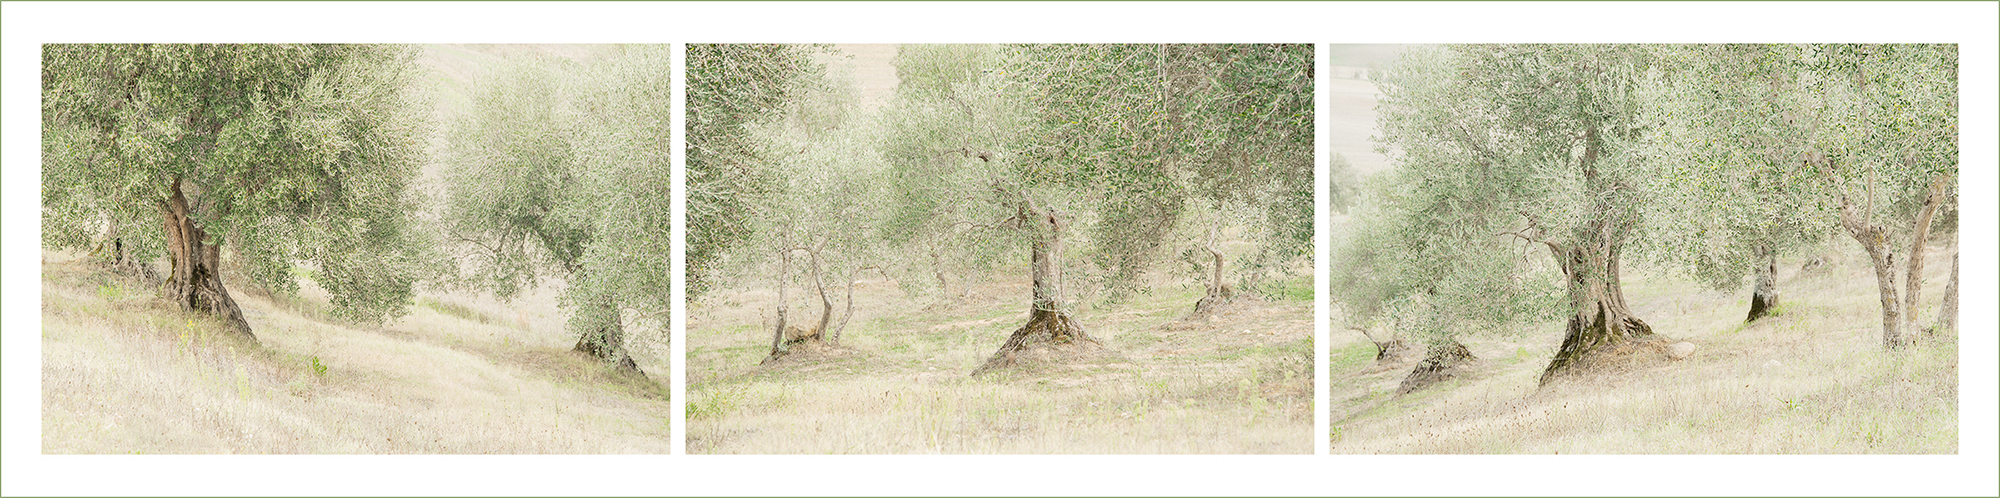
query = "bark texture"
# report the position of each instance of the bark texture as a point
(1599, 318)
(1442, 362)
(195, 283)
(1051, 333)
(606, 342)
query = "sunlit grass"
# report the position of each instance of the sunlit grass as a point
(125, 372)
(1238, 384)
(1813, 378)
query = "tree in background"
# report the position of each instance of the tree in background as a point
(1888, 146)
(1030, 140)
(729, 88)
(1732, 122)
(561, 167)
(291, 155)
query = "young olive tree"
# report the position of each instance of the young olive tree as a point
(287, 154)
(1888, 147)
(1535, 143)
(823, 206)
(560, 168)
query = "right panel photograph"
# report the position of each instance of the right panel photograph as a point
(1686, 249)
(1023, 249)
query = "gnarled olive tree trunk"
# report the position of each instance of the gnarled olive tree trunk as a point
(196, 280)
(1599, 318)
(1765, 295)
(1050, 329)
(605, 339)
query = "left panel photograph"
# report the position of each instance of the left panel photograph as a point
(355, 249)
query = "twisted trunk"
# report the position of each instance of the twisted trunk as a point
(605, 340)
(1218, 294)
(1050, 330)
(195, 283)
(1599, 318)
(1765, 295)
(825, 303)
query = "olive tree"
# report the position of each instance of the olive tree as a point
(1732, 122)
(730, 88)
(1534, 143)
(290, 155)
(560, 168)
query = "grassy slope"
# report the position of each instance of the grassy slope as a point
(122, 371)
(1813, 379)
(1237, 384)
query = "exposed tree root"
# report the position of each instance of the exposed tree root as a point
(1443, 362)
(1049, 337)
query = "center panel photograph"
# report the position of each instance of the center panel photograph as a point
(1000, 249)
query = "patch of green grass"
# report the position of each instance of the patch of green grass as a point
(1351, 357)
(459, 311)
(1290, 289)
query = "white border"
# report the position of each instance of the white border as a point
(26, 25)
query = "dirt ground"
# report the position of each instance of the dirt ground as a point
(1239, 382)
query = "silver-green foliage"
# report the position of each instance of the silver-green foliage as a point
(561, 168)
(289, 155)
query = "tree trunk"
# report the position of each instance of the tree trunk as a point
(1599, 318)
(196, 280)
(1050, 332)
(852, 275)
(1218, 294)
(1898, 312)
(605, 340)
(778, 331)
(1920, 237)
(825, 303)
(1765, 296)
(1442, 362)
(1948, 312)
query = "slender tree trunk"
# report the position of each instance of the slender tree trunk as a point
(1898, 312)
(605, 338)
(1218, 294)
(778, 331)
(196, 280)
(1765, 296)
(825, 303)
(1920, 237)
(1948, 312)
(1050, 327)
(852, 275)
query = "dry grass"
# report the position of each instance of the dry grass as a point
(1239, 383)
(1813, 379)
(124, 372)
